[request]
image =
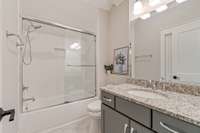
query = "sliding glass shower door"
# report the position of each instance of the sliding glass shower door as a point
(80, 64)
(63, 67)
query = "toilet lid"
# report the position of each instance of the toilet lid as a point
(95, 106)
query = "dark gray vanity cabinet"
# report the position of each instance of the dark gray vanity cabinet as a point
(135, 111)
(121, 116)
(117, 116)
(113, 122)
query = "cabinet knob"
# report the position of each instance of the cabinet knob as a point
(176, 77)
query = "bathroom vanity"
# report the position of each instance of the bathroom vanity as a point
(123, 112)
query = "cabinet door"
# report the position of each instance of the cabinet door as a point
(137, 128)
(113, 122)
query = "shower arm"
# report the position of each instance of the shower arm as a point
(20, 42)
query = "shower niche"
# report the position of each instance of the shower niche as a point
(58, 64)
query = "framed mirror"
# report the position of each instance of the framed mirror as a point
(166, 40)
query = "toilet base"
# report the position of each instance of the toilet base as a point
(95, 125)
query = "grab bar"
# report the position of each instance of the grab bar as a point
(144, 56)
(81, 65)
(59, 49)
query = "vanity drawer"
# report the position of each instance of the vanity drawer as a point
(165, 124)
(108, 99)
(137, 128)
(136, 112)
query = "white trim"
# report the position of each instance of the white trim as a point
(162, 59)
(1, 43)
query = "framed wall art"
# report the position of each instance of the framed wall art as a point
(121, 60)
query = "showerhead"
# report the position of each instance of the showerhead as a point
(36, 26)
(33, 27)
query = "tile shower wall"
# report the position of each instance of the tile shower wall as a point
(59, 73)
(45, 76)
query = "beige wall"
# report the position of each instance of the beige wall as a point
(118, 27)
(147, 36)
(118, 31)
(75, 13)
(102, 46)
(8, 62)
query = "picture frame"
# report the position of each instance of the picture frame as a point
(121, 61)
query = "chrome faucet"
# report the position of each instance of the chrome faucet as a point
(163, 83)
(148, 83)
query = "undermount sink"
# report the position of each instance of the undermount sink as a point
(146, 94)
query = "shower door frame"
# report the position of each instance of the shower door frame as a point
(21, 65)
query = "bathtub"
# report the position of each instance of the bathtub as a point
(81, 125)
(57, 119)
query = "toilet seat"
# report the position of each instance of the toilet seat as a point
(95, 106)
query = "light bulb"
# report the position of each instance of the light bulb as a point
(162, 8)
(154, 2)
(145, 16)
(181, 1)
(138, 7)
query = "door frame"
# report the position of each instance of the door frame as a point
(10, 12)
(166, 56)
(1, 41)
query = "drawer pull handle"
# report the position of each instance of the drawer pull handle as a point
(132, 130)
(125, 127)
(107, 99)
(167, 128)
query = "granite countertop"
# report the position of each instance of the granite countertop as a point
(182, 106)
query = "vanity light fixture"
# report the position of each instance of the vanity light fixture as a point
(162, 8)
(154, 2)
(181, 1)
(138, 7)
(145, 16)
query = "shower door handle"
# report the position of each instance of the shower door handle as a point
(6, 113)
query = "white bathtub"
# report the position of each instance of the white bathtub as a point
(48, 119)
(81, 125)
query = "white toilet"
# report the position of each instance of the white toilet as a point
(94, 110)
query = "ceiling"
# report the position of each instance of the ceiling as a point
(104, 4)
